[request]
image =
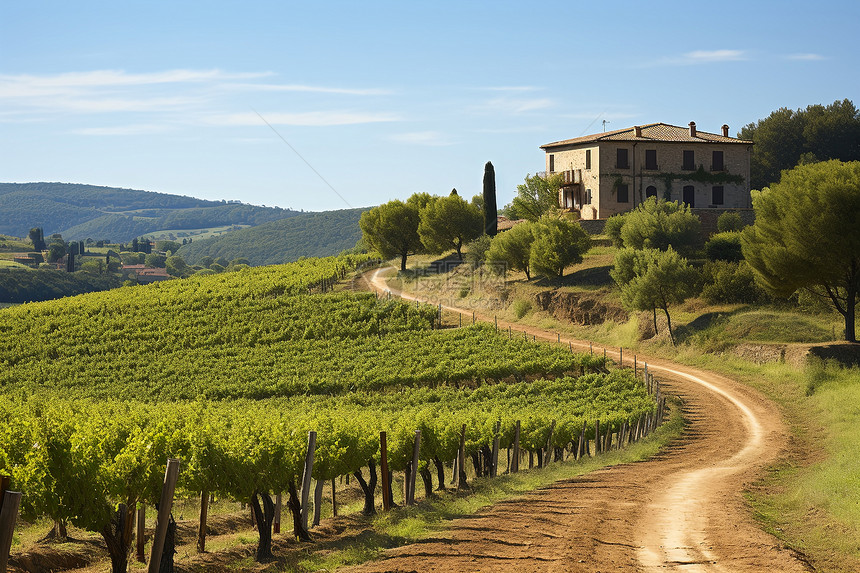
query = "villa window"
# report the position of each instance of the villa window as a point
(717, 161)
(622, 160)
(651, 159)
(689, 160)
(717, 195)
(623, 193)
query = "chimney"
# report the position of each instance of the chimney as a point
(638, 130)
(692, 129)
(725, 130)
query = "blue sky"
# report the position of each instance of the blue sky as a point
(324, 105)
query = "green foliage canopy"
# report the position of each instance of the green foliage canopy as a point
(512, 248)
(788, 137)
(657, 224)
(449, 222)
(650, 279)
(536, 197)
(392, 230)
(806, 235)
(557, 244)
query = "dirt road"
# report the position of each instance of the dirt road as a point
(682, 510)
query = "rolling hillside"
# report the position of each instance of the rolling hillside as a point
(303, 235)
(88, 211)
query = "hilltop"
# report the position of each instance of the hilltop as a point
(80, 211)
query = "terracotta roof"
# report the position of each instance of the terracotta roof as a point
(650, 132)
(503, 223)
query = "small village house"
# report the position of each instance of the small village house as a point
(613, 172)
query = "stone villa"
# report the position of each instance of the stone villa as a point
(612, 172)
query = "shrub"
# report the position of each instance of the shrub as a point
(729, 221)
(724, 247)
(730, 282)
(612, 229)
(476, 251)
(521, 307)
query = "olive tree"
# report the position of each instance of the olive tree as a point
(391, 229)
(557, 244)
(650, 279)
(449, 223)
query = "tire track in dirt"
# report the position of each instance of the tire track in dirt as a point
(682, 510)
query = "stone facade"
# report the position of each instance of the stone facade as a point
(613, 172)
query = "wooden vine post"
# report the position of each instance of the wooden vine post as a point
(306, 476)
(413, 474)
(494, 469)
(383, 466)
(318, 495)
(10, 502)
(141, 534)
(547, 458)
(515, 461)
(461, 460)
(165, 505)
(276, 521)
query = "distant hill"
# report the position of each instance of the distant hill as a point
(304, 235)
(88, 211)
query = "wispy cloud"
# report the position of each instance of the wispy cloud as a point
(309, 118)
(309, 89)
(142, 129)
(428, 138)
(169, 97)
(25, 85)
(510, 88)
(805, 57)
(701, 57)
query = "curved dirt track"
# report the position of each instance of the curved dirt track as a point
(682, 510)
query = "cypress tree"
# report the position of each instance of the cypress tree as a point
(490, 209)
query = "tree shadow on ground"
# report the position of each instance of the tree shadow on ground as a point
(703, 322)
(590, 277)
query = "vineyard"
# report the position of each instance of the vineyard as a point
(230, 373)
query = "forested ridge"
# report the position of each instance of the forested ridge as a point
(80, 211)
(302, 235)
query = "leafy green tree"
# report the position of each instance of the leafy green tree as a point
(650, 279)
(491, 216)
(166, 246)
(392, 230)
(37, 236)
(95, 266)
(155, 260)
(176, 266)
(659, 224)
(513, 248)
(449, 222)
(56, 251)
(132, 258)
(787, 137)
(557, 244)
(536, 197)
(205, 261)
(806, 235)
(476, 251)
